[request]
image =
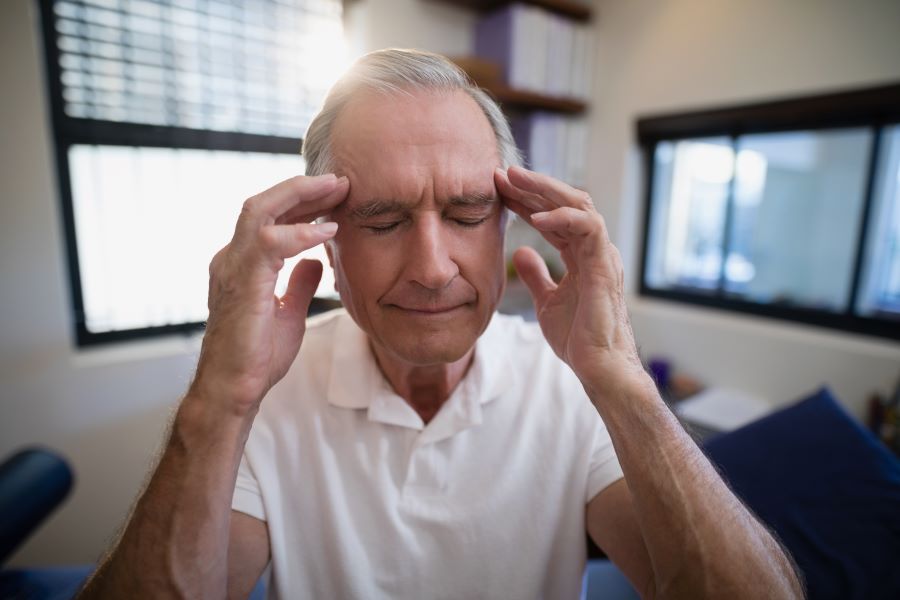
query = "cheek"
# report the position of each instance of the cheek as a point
(483, 254)
(494, 237)
(361, 267)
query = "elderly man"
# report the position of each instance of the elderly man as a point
(417, 445)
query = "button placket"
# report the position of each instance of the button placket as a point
(424, 475)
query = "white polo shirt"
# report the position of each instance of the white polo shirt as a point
(362, 500)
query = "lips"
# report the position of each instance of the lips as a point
(430, 310)
(414, 301)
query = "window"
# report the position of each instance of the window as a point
(167, 115)
(880, 292)
(788, 209)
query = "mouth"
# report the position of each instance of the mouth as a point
(429, 311)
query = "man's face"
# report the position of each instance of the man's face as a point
(418, 258)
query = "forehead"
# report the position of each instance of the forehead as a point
(413, 147)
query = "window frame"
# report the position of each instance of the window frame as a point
(68, 131)
(875, 108)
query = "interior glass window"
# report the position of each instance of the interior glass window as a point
(691, 182)
(880, 291)
(795, 217)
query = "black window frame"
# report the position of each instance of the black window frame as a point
(69, 131)
(875, 108)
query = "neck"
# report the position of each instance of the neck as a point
(425, 388)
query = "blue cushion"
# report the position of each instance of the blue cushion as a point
(828, 488)
(604, 581)
(55, 583)
(62, 583)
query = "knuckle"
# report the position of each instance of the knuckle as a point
(268, 239)
(216, 262)
(250, 207)
(614, 255)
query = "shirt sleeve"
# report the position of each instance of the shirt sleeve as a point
(247, 498)
(603, 468)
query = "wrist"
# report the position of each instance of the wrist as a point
(236, 396)
(626, 387)
(200, 417)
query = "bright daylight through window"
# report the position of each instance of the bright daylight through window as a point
(167, 116)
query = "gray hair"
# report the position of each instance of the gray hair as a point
(395, 70)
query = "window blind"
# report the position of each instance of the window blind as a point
(250, 66)
(167, 115)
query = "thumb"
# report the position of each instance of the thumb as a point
(302, 286)
(533, 271)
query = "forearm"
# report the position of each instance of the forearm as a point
(175, 543)
(701, 540)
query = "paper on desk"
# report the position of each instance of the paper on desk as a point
(723, 409)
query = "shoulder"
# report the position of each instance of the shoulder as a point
(523, 342)
(322, 328)
(529, 360)
(514, 334)
(305, 384)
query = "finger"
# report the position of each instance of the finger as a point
(304, 212)
(567, 221)
(279, 242)
(316, 193)
(520, 209)
(553, 190)
(510, 191)
(525, 213)
(533, 271)
(302, 286)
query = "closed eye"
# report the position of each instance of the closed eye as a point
(382, 229)
(470, 222)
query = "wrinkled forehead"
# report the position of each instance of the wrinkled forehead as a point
(429, 146)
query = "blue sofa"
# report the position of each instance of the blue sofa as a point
(828, 489)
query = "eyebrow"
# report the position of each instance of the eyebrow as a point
(375, 208)
(476, 200)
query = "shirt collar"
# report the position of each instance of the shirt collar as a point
(356, 382)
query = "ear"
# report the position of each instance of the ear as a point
(329, 251)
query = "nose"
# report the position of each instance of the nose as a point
(428, 257)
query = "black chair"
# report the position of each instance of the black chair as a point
(33, 482)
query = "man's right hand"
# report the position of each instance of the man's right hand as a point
(176, 542)
(252, 336)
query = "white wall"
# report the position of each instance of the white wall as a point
(106, 409)
(666, 56)
(424, 24)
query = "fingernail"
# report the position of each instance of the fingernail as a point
(342, 180)
(329, 228)
(540, 216)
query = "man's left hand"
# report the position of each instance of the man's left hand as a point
(583, 317)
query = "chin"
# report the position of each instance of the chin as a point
(427, 348)
(424, 342)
